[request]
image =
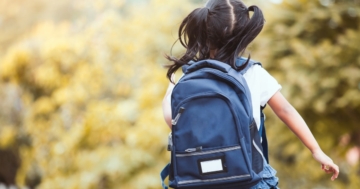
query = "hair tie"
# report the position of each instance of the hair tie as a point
(205, 12)
(206, 8)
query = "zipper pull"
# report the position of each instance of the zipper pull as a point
(197, 149)
(170, 143)
(176, 119)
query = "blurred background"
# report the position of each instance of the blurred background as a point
(81, 84)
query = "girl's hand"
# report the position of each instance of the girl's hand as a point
(326, 163)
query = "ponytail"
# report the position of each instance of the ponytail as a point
(221, 25)
(243, 36)
(192, 35)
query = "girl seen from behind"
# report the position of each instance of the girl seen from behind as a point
(221, 30)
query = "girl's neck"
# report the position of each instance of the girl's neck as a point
(213, 53)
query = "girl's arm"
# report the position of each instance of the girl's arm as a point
(287, 113)
(166, 104)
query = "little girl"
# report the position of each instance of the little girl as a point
(222, 30)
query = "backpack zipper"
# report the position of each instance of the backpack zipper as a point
(170, 143)
(197, 149)
(176, 119)
(209, 151)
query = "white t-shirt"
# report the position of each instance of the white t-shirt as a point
(262, 87)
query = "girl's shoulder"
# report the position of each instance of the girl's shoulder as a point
(258, 70)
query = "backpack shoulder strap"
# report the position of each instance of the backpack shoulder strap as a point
(163, 174)
(208, 63)
(242, 60)
(264, 142)
(193, 66)
(239, 62)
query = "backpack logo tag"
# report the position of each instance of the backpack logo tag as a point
(212, 165)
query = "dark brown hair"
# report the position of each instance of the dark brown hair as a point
(222, 25)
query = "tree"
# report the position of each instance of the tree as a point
(81, 84)
(312, 48)
(87, 93)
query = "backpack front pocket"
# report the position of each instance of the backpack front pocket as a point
(211, 166)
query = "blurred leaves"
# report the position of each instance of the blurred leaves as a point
(81, 84)
(312, 49)
(89, 93)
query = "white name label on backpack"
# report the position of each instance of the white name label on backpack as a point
(210, 166)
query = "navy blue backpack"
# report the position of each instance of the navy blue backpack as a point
(214, 142)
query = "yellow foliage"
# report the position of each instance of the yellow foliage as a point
(7, 136)
(14, 63)
(87, 81)
(43, 106)
(91, 88)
